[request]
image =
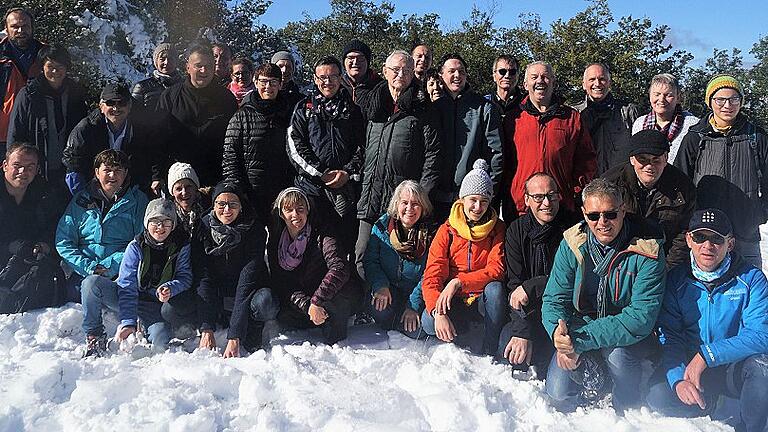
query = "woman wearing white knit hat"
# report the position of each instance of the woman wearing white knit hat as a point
(191, 204)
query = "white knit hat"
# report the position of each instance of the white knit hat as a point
(180, 171)
(477, 181)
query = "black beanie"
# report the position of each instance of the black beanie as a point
(358, 46)
(227, 187)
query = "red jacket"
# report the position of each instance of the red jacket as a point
(554, 142)
(11, 81)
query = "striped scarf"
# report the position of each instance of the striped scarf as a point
(601, 258)
(672, 129)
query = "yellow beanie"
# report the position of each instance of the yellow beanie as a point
(721, 82)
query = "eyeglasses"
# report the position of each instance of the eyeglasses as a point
(595, 216)
(234, 205)
(157, 223)
(503, 72)
(241, 73)
(699, 238)
(539, 198)
(720, 101)
(398, 70)
(267, 82)
(328, 78)
(116, 103)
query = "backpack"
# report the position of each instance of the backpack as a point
(31, 281)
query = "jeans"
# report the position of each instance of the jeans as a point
(339, 309)
(543, 348)
(390, 317)
(746, 380)
(492, 306)
(623, 364)
(264, 306)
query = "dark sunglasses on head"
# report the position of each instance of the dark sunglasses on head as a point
(699, 238)
(595, 216)
(503, 72)
(113, 103)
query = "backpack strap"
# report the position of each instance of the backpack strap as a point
(756, 157)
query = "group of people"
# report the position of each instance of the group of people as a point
(586, 240)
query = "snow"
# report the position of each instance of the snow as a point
(372, 382)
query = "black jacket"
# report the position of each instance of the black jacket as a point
(670, 203)
(511, 104)
(147, 91)
(31, 122)
(204, 114)
(293, 94)
(729, 171)
(523, 267)
(610, 125)
(400, 145)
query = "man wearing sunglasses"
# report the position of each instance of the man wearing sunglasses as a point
(713, 329)
(505, 74)
(656, 190)
(726, 156)
(601, 302)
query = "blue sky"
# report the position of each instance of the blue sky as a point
(739, 24)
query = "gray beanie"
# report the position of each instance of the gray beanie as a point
(165, 46)
(477, 181)
(160, 207)
(282, 55)
(179, 171)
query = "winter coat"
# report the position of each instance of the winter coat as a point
(33, 120)
(359, 90)
(293, 95)
(146, 142)
(553, 142)
(511, 104)
(523, 270)
(177, 275)
(384, 267)
(403, 145)
(203, 114)
(474, 263)
(86, 237)
(635, 290)
(235, 274)
(147, 91)
(609, 124)
(670, 203)
(725, 322)
(13, 79)
(469, 129)
(254, 150)
(674, 146)
(727, 169)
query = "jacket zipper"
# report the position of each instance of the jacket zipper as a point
(469, 256)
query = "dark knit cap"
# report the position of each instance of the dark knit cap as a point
(227, 187)
(356, 45)
(648, 141)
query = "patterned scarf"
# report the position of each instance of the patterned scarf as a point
(223, 237)
(601, 258)
(290, 252)
(409, 244)
(672, 129)
(715, 274)
(333, 108)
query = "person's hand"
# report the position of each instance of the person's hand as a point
(232, 349)
(567, 361)
(446, 295)
(41, 248)
(100, 270)
(410, 320)
(317, 314)
(444, 328)
(123, 333)
(207, 340)
(339, 179)
(156, 187)
(518, 298)
(694, 370)
(563, 343)
(519, 351)
(381, 299)
(689, 394)
(163, 294)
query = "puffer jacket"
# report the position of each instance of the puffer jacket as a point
(671, 203)
(13, 79)
(474, 263)
(635, 290)
(724, 168)
(725, 321)
(384, 267)
(86, 237)
(609, 123)
(147, 91)
(403, 145)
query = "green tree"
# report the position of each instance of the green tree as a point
(758, 75)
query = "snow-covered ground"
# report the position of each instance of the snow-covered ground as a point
(377, 382)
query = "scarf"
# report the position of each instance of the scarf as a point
(715, 274)
(190, 219)
(223, 237)
(722, 129)
(601, 258)
(471, 231)
(672, 129)
(540, 236)
(409, 244)
(290, 252)
(167, 80)
(152, 243)
(239, 91)
(333, 108)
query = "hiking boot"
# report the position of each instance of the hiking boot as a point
(95, 345)
(363, 318)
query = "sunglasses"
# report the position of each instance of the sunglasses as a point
(700, 237)
(114, 103)
(595, 216)
(503, 72)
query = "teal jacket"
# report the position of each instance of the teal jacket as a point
(86, 238)
(636, 288)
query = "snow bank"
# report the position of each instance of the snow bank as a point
(378, 383)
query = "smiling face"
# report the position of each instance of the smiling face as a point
(54, 73)
(111, 178)
(542, 187)
(434, 89)
(200, 69)
(726, 114)
(409, 209)
(422, 58)
(475, 206)
(241, 75)
(294, 216)
(227, 207)
(664, 100)
(328, 79)
(604, 229)
(160, 228)
(596, 82)
(268, 87)
(19, 169)
(454, 76)
(540, 84)
(185, 194)
(165, 64)
(286, 67)
(356, 65)
(115, 111)
(707, 254)
(648, 167)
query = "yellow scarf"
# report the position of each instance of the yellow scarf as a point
(458, 221)
(722, 129)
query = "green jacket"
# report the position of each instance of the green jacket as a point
(636, 288)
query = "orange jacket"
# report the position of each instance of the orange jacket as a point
(11, 81)
(475, 263)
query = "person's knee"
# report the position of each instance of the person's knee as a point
(428, 323)
(658, 396)
(495, 292)
(263, 305)
(756, 367)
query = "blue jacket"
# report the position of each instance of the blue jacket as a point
(726, 325)
(86, 238)
(384, 267)
(128, 281)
